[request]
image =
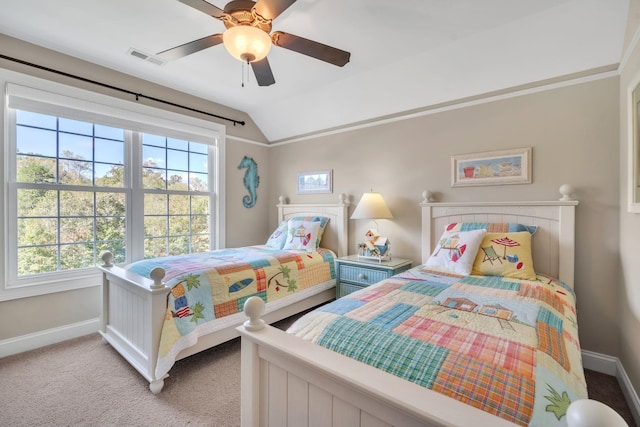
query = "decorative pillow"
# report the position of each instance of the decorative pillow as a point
(506, 255)
(491, 227)
(456, 251)
(302, 235)
(278, 237)
(323, 220)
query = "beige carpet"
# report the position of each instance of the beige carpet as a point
(84, 382)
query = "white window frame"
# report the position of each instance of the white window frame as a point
(34, 94)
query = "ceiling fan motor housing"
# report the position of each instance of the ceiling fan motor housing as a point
(241, 12)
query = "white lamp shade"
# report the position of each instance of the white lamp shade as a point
(371, 206)
(246, 43)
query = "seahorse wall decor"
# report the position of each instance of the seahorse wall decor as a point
(251, 181)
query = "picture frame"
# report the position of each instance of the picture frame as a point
(315, 182)
(492, 168)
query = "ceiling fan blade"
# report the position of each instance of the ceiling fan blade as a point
(270, 9)
(191, 47)
(205, 7)
(310, 48)
(262, 71)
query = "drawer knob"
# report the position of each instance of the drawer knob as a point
(362, 276)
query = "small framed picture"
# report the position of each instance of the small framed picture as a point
(492, 168)
(315, 182)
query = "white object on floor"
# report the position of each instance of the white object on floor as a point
(591, 413)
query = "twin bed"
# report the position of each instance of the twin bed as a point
(504, 347)
(432, 348)
(158, 311)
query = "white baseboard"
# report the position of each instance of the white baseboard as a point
(611, 366)
(39, 339)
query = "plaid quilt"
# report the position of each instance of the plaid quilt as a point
(211, 285)
(507, 346)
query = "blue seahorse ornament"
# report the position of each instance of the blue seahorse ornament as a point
(251, 181)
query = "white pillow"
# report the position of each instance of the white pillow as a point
(302, 235)
(456, 251)
(277, 238)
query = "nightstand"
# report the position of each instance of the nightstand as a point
(355, 274)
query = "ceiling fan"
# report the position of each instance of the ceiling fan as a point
(248, 37)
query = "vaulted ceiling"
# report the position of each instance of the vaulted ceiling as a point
(405, 55)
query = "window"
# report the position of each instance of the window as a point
(83, 179)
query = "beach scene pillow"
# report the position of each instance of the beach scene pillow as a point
(505, 255)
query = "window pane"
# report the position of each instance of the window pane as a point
(198, 163)
(158, 141)
(76, 230)
(75, 126)
(200, 224)
(196, 147)
(37, 203)
(76, 256)
(178, 204)
(199, 204)
(75, 172)
(155, 247)
(110, 204)
(109, 151)
(179, 224)
(177, 180)
(154, 156)
(155, 204)
(198, 182)
(178, 160)
(35, 169)
(36, 141)
(41, 259)
(179, 245)
(76, 146)
(200, 243)
(37, 231)
(109, 175)
(36, 119)
(76, 203)
(180, 144)
(108, 132)
(154, 179)
(155, 226)
(110, 228)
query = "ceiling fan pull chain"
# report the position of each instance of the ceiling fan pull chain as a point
(242, 73)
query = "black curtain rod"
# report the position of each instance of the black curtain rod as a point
(137, 95)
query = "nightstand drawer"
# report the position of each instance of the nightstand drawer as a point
(365, 276)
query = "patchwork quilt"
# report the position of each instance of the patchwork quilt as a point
(507, 346)
(211, 285)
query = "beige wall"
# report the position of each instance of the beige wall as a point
(629, 298)
(573, 131)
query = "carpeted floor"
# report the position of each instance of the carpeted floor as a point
(84, 382)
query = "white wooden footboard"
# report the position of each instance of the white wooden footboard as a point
(290, 382)
(133, 309)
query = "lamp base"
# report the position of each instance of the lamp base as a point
(376, 258)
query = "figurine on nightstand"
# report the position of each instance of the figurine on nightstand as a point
(374, 246)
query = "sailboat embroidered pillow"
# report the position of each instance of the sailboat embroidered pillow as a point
(456, 251)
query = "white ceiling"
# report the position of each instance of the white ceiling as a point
(405, 55)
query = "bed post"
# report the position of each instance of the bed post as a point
(250, 365)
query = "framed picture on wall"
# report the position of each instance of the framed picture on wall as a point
(492, 168)
(315, 182)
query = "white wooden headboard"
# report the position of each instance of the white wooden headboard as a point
(553, 243)
(336, 234)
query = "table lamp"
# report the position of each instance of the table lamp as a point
(372, 206)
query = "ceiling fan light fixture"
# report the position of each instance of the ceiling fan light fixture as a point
(246, 43)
